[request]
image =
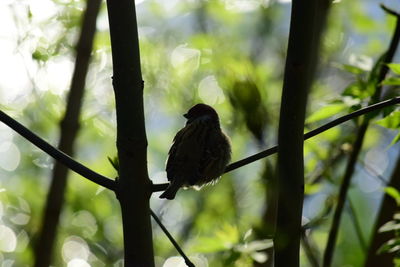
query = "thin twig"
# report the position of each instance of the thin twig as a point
(187, 261)
(57, 154)
(323, 128)
(390, 11)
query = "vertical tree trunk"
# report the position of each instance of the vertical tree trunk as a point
(69, 127)
(134, 188)
(307, 23)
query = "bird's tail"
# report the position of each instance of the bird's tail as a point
(171, 190)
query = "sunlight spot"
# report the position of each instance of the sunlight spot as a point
(14, 83)
(259, 257)
(6, 134)
(172, 213)
(210, 92)
(55, 76)
(361, 61)
(198, 261)
(20, 218)
(86, 221)
(174, 262)
(78, 263)
(42, 10)
(7, 263)
(23, 241)
(368, 184)
(44, 162)
(75, 247)
(245, 5)
(9, 156)
(8, 239)
(186, 58)
(168, 7)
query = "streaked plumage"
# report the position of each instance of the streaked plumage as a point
(199, 153)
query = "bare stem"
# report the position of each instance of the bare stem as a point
(176, 245)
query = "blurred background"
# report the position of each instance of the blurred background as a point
(226, 53)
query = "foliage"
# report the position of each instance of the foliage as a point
(226, 53)
(393, 226)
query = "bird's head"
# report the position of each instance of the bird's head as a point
(201, 111)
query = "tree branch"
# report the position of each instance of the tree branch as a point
(390, 11)
(171, 239)
(57, 154)
(321, 129)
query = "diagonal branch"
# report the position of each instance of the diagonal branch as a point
(321, 129)
(57, 154)
(171, 239)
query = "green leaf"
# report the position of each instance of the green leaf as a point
(391, 81)
(114, 162)
(358, 90)
(392, 121)
(374, 74)
(326, 112)
(311, 189)
(389, 226)
(390, 246)
(394, 193)
(224, 238)
(396, 139)
(395, 67)
(353, 69)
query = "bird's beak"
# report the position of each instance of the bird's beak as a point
(186, 116)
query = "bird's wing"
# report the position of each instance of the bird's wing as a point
(215, 156)
(185, 154)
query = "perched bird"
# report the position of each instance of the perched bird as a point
(199, 153)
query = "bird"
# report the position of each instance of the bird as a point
(199, 153)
